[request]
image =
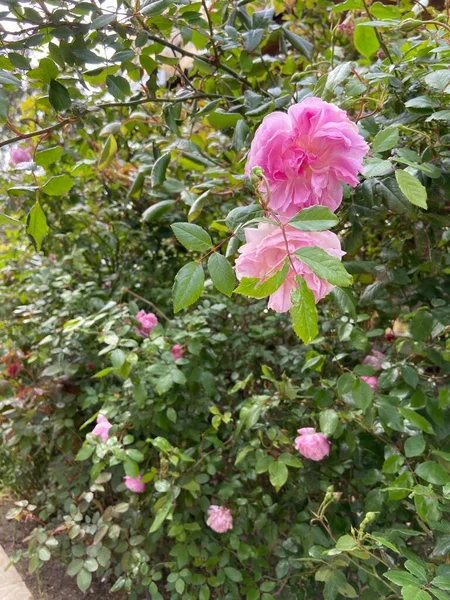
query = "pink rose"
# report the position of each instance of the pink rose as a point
(220, 518)
(265, 252)
(306, 154)
(374, 360)
(372, 381)
(148, 322)
(312, 445)
(177, 352)
(134, 484)
(101, 430)
(19, 155)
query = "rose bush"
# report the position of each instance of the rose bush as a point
(165, 429)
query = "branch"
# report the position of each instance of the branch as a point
(38, 132)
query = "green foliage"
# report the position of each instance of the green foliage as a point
(138, 118)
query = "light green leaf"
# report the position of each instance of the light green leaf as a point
(118, 86)
(278, 474)
(385, 139)
(329, 421)
(412, 188)
(108, 152)
(304, 312)
(324, 266)
(158, 175)
(411, 592)
(416, 419)
(84, 579)
(192, 236)
(58, 185)
(299, 43)
(433, 473)
(188, 286)
(233, 574)
(47, 157)
(315, 218)
(37, 226)
(258, 288)
(221, 273)
(161, 515)
(152, 213)
(7, 220)
(365, 40)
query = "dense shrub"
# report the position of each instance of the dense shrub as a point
(131, 176)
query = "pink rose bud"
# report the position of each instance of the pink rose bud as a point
(374, 360)
(372, 381)
(312, 445)
(14, 369)
(101, 430)
(177, 352)
(306, 154)
(107, 284)
(20, 155)
(220, 518)
(134, 484)
(263, 253)
(52, 257)
(148, 322)
(90, 366)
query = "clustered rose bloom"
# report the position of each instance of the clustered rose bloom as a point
(372, 381)
(177, 352)
(148, 322)
(134, 484)
(264, 253)
(306, 154)
(101, 430)
(311, 444)
(220, 518)
(19, 155)
(374, 360)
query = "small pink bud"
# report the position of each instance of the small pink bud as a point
(374, 360)
(311, 444)
(220, 518)
(372, 381)
(177, 352)
(134, 484)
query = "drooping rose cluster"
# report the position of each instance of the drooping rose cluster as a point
(220, 518)
(305, 156)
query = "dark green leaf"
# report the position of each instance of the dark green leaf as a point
(158, 175)
(316, 218)
(37, 226)
(188, 286)
(304, 312)
(58, 96)
(324, 266)
(221, 273)
(192, 236)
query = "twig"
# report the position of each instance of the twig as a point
(125, 289)
(24, 136)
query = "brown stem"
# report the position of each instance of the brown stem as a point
(149, 302)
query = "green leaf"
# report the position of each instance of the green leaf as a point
(348, 5)
(304, 312)
(84, 579)
(154, 212)
(108, 152)
(118, 86)
(385, 139)
(192, 236)
(161, 515)
(58, 185)
(346, 543)
(222, 120)
(438, 80)
(241, 132)
(159, 169)
(8, 79)
(421, 325)
(324, 266)
(188, 286)
(362, 394)
(75, 566)
(329, 421)
(416, 419)
(260, 288)
(102, 21)
(58, 96)
(252, 39)
(37, 226)
(47, 157)
(315, 218)
(297, 42)
(233, 574)
(401, 577)
(412, 188)
(221, 273)
(414, 446)
(417, 570)
(433, 473)
(85, 452)
(442, 582)
(278, 474)
(7, 220)
(19, 61)
(411, 592)
(365, 40)
(375, 167)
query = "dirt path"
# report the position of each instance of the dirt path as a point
(55, 583)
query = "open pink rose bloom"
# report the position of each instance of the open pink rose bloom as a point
(311, 444)
(134, 484)
(220, 518)
(265, 251)
(306, 154)
(101, 430)
(372, 381)
(148, 322)
(20, 155)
